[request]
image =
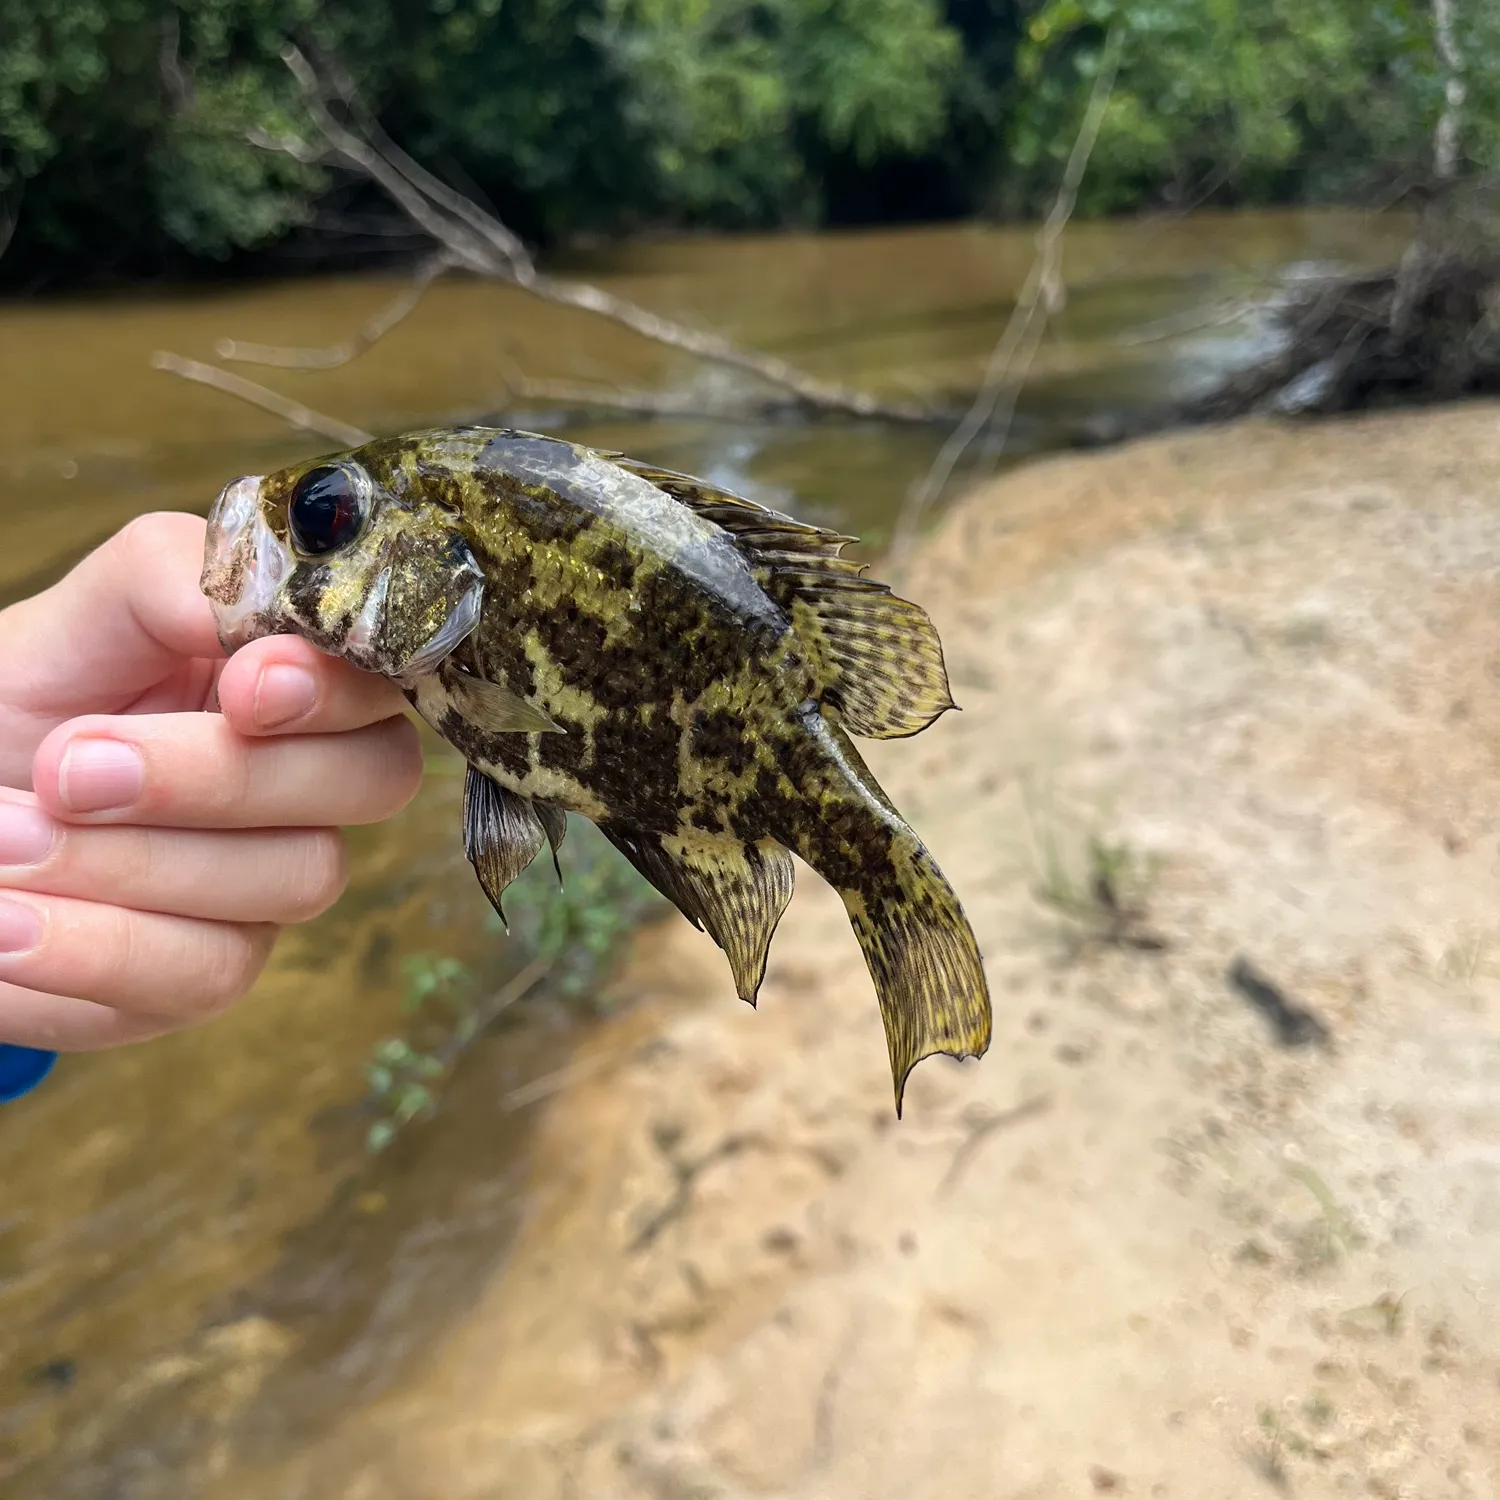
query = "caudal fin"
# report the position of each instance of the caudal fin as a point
(917, 942)
(924, 960)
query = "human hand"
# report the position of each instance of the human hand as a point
(150, 848)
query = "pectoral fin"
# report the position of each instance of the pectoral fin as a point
(488, 705)
(502, 834)
(736, 892)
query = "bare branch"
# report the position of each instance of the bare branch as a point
(178, 85)
(288, 145)
(584, 397)
(510, 245)
(291, 358)
(1180, 325)
(477, 241)
(820, 394)
(979, 1124)
(359, 155)
(304, 418)
(1041, 294)
(487, 1014)
(1417, 262)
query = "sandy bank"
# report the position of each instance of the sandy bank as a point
(1143, 1248)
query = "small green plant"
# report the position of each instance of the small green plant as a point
(1306, 633)
(400, 1083)
(1277, 1440)
(1104, 894)
(560, 941)
(1334, 1233)
(577, 928)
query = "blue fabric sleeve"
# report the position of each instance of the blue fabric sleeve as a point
(21, 1069)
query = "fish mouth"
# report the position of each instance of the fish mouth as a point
(244, 565)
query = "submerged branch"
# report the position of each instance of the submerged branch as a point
(292, 358)
(304, 418)
(1041, 295)
(581, 396)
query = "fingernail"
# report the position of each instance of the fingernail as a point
(100, 775)
(283, 694)
(25, 834)
(20, 927)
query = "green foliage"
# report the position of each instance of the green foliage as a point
(128, 125)
(1274, 97)
(214, 193)
(400, 1079)
(561, 942)
(571, 114)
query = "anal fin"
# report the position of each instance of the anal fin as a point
(502, 834)
(735, 892)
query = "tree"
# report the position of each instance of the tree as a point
(129, 125)
(1258, 99)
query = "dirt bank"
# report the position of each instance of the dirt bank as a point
(1145, 1247)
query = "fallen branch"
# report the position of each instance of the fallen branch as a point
(582, 396)
(304, 418)
(1379, 338)
(477, 241)
(292, 358)
(1041, 294)
(979, 1125)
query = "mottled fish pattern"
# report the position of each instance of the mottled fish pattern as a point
(681, 666)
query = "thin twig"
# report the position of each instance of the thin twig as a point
(1180, 325)
(292, 358)
(1040, 294)
(516, 988)
(509, 244)
(304, 418)
(363, 157)
(552, 1083)
(585, 396)
(978, 1127)
(821, 1453)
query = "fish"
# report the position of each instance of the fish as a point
(683, 667)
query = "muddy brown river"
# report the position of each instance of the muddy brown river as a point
(173, 1216)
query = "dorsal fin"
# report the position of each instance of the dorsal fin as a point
(878, 658)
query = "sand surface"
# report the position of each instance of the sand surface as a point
(1147, 1247)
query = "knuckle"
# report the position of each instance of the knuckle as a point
(324, 874)
(402, 747)
(231, 965)
(137, 536)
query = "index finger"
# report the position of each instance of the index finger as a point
(283, 685)
(117, 624)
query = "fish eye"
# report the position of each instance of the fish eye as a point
(328, 509)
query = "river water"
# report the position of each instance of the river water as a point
(199, 1264)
